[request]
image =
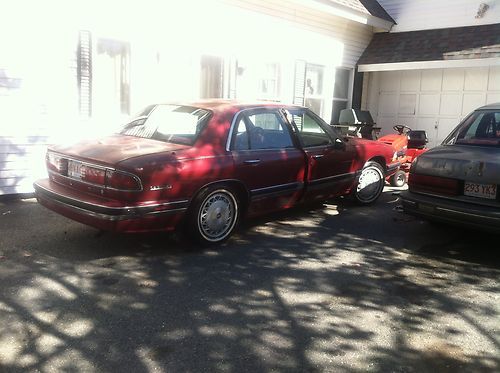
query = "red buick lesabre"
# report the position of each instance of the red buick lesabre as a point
(204, 165)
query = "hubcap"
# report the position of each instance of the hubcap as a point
(217, 215)
(369, 184)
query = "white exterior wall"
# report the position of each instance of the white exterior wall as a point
(166, 44)
(435, 100)
(411, 15)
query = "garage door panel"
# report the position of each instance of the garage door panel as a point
(492, 98)
(450, 104)
(429, 104)
(408, 121)
(388, 104)
(386, 124)
(476, 79)
(429, 98)
(445, 126)
(428, 125)
(494, 79)
(453, 79)
(389, 81)
(410, 80)
(472, 101)
(407, 104)
(431, 80)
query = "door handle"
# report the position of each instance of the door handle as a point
(252, 161)
(318, 156)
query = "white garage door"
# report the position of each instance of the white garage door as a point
(434, 100)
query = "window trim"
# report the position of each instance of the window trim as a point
(330, 132)
(260, 109)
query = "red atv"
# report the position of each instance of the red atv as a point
(408, 144)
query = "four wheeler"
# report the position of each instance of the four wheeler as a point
(408, 144)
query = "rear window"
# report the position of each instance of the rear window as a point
(169, 123)
(480, 128)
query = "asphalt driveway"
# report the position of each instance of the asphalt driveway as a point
(334, 288)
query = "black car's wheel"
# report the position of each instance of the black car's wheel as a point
(370, 184)
(398, 179)
(214, 215)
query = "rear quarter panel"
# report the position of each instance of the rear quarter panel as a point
(178, 175)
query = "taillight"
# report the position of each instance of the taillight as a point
(122, 181)
(93, 175)
(56, 163)
(433, 184)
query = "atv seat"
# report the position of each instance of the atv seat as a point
(417, 139)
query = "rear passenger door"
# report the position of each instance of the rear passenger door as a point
(267, 159)
(330, 160)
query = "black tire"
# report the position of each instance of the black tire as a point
(213, 215)
(398, 179)
(370, 184)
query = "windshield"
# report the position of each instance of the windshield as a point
(479, 128)
(169, 123)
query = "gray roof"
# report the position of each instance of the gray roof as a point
(433, 45)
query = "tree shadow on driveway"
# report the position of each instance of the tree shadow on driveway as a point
(331, 288)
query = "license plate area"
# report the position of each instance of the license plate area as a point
(487, 191)
(74, 169)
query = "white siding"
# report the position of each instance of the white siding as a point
(354, 37)
(412, 15)
(46, 103)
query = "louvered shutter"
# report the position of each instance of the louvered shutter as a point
(300, 82)
(84, 73)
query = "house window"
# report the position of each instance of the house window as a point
(211, 77)
(257, 80)
(340, 93)
(111, 80)
(313, 94)
(269, 81)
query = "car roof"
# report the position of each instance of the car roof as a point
(222, 104)
(494, 106)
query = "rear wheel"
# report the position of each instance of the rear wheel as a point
(370, 183)
(214, 215)
(398, 179)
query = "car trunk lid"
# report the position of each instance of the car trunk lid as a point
(114, 149)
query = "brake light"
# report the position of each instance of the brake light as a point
(56, 163)
(122, 181)
(433, 184)
(93, 175)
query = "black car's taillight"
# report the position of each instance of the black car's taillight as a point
(433, 184)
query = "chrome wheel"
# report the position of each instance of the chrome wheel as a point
(370, 183)
(217, 215)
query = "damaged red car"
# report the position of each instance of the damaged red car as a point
(204, 166)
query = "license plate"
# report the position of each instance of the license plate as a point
(488, 191)
(75, 169)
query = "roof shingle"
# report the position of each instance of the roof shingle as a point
(433, 45)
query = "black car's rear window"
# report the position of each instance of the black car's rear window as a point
(480, 128)
(169, 123)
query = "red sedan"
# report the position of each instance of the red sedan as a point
(204, 165)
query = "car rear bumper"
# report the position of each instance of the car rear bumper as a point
(449, 211)
(108, 214)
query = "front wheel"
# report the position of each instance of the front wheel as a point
(214, 215)
(398, 179)
(370, 184)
